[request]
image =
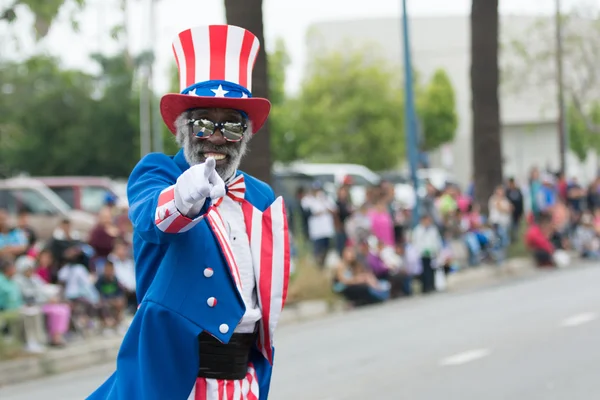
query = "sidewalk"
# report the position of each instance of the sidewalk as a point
(95, 351)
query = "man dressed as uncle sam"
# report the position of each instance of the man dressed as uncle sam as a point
(210, 242)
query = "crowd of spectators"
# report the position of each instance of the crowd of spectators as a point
(68, 286)
(381, 253)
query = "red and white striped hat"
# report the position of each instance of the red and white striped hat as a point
(215, 71)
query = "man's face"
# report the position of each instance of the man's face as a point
(227, 154)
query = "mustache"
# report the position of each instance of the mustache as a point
(227, 149)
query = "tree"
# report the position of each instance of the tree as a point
(350, 110)
(248, 15)
(65, 122)
(437, 111)
(283, 139)
(581, 139)
(531, 63)
(487, 150)
(44, 11)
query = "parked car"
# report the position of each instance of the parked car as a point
(333, 175)
(83, 193)
(45, 207)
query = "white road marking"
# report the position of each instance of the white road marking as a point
(465, 357)
(579, 319)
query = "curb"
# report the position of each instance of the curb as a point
(476, 276)
(55, 361)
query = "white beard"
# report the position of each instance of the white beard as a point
(192, 149)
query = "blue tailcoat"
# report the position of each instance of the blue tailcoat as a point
(158, 359)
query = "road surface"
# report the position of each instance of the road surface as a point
(536, 339)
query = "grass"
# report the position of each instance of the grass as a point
(517, 248)
(310, 283)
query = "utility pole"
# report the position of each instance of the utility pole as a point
(563, 141)
(411, 117)
(157, 139)
(145, 132)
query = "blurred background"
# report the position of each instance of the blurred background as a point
(451, 145)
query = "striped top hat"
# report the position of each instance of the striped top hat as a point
(215, 71)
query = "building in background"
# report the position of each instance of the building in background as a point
(529, 120)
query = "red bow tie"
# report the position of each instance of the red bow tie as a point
(236, 189)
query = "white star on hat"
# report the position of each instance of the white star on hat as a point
(219, 92)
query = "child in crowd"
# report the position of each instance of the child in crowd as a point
(112, 297)
(426, 238)
(124, 270)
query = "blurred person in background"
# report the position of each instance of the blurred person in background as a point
(112, 299)
(64, 237)
(575, 196)
(428, 242)
(429, 206)
(356, 283)
(411, 264)
(302, 213)
(500, 215)
(593, 194)
(382, 225)
(102, 238)
(386, 265)
(547, 197)
(46, 268)
(25, 227)
(344, 210)
(65, 232)
(13, 242)
(321, 226)
(10, 293)
(38, 293)
(358, 226)
(562, 186)
(537, 239)
(124, 267)
(585, 239)
(515, 196)
(11, 300)
(535, 186)
(79, 289)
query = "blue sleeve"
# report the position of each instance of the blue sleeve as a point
(150, 191)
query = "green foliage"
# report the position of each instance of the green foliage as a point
(437, 111)
(44, 11)
(63, 122)
(530, 66)
(581, 139)
(283, 141)
(350, 110)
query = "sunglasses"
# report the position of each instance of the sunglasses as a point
(203, 129)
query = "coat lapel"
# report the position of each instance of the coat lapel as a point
(269, 243)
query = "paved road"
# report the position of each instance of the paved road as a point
(537, 339)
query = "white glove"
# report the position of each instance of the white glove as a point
(195, 185)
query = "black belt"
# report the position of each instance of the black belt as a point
(225, 361)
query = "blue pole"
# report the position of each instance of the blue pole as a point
(411, 117)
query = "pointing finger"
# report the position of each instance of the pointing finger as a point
(209, 166)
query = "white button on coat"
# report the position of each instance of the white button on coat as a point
(223, 328)
(208, 272)
(211, 302)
